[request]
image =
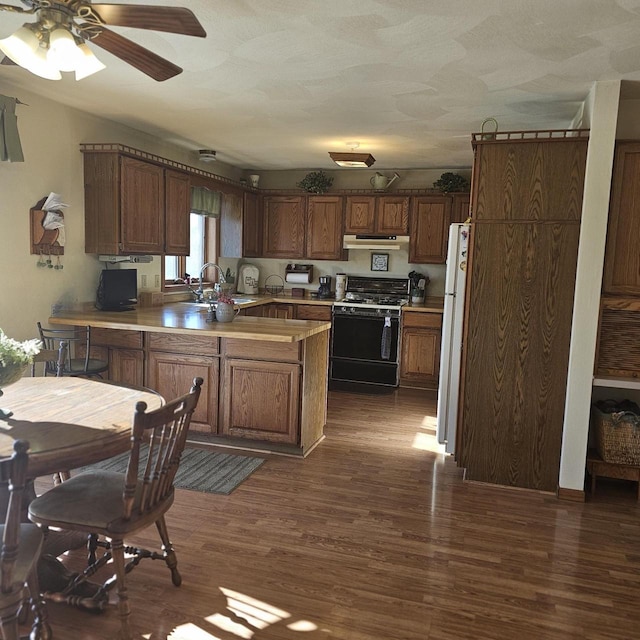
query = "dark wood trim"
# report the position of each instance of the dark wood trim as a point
(571, 495)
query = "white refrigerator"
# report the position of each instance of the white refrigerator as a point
(451, 348)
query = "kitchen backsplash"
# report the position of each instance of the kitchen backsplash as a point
(359, 263)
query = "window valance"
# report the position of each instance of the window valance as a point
(206, 202)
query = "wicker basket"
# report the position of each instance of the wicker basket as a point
(617, 436)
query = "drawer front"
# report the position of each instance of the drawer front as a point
(183, 343)
(262, 350)
(313, 312)
(125, 338)
(422, 320)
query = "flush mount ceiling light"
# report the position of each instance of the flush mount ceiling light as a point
(207, 155)
(352, 158)
(56, 42)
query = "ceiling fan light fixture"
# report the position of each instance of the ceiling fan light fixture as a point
(63, 52)
(88, 64)
(352, 159)
(20, 46)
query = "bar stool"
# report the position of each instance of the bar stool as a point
(78, 361)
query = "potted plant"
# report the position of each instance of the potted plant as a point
(449, 182)
(315, 182)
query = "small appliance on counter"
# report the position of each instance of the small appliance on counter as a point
(324, 291)
(248, 277)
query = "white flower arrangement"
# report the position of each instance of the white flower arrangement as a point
(17, 353)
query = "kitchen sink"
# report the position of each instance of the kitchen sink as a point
(205, 305)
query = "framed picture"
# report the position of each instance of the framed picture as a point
(379, 262)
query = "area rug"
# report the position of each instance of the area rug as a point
(200, 470)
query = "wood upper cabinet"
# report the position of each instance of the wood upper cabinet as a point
(385, 215)
(392, 215)
(537, 181)
(325, 224)
(125, 205)
(429, 233)
(251, 226)
(360, 215)
(177, 203)
(284, 227)
(622, 257)
(460, 207)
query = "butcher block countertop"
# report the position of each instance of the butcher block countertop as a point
(430, 305)
(189, 319)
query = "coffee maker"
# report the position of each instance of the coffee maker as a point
(325, 287)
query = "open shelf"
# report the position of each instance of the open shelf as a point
(617, 383)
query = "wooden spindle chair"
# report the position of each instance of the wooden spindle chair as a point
(21, 548)
(116, 505)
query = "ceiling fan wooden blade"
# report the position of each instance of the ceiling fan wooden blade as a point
(155, 18)
(142, 59)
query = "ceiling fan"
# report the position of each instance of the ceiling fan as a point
(57, 40)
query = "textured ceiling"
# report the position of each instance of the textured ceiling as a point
(279, 83)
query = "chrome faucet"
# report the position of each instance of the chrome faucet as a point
(199, 292)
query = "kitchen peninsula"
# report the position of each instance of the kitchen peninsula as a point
(265, 378)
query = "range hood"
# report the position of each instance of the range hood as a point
(375, 242)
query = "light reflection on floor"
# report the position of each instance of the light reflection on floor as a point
(425, 438)
(243, 616)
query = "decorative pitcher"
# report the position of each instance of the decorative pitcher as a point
(380, 182)
(225, 312)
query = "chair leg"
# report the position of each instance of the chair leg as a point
(92, 547)
(40, 629)
(9, 623)
(117, 551)
(169, 554)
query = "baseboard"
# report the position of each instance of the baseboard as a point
(572, 495)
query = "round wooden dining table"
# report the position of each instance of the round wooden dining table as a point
(69, 422)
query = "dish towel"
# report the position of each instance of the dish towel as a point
(385, 346)
(10, 148)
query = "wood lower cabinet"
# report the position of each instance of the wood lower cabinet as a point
(123, 351)
(313, 312)
(172, 374)
(420, 350)
(260, 400)
(279, 310)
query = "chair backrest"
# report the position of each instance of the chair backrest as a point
(53, 360)
(78, 341)
(164, 431)
(13, 471)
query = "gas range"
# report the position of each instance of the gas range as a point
(373, 296)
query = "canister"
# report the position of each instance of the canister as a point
(341, 285)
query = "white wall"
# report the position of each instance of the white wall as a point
(51, 134)
(601, 114)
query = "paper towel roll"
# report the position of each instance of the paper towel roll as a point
(299, 278)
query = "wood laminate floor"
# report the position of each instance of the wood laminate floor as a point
(376, 537)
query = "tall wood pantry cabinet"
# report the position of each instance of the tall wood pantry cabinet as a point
(526, 202)
(134, 206)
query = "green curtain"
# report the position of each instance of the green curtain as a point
(10, 147)
(206, 202)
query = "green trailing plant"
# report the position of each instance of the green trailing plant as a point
(315, 182)
(449, 182)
